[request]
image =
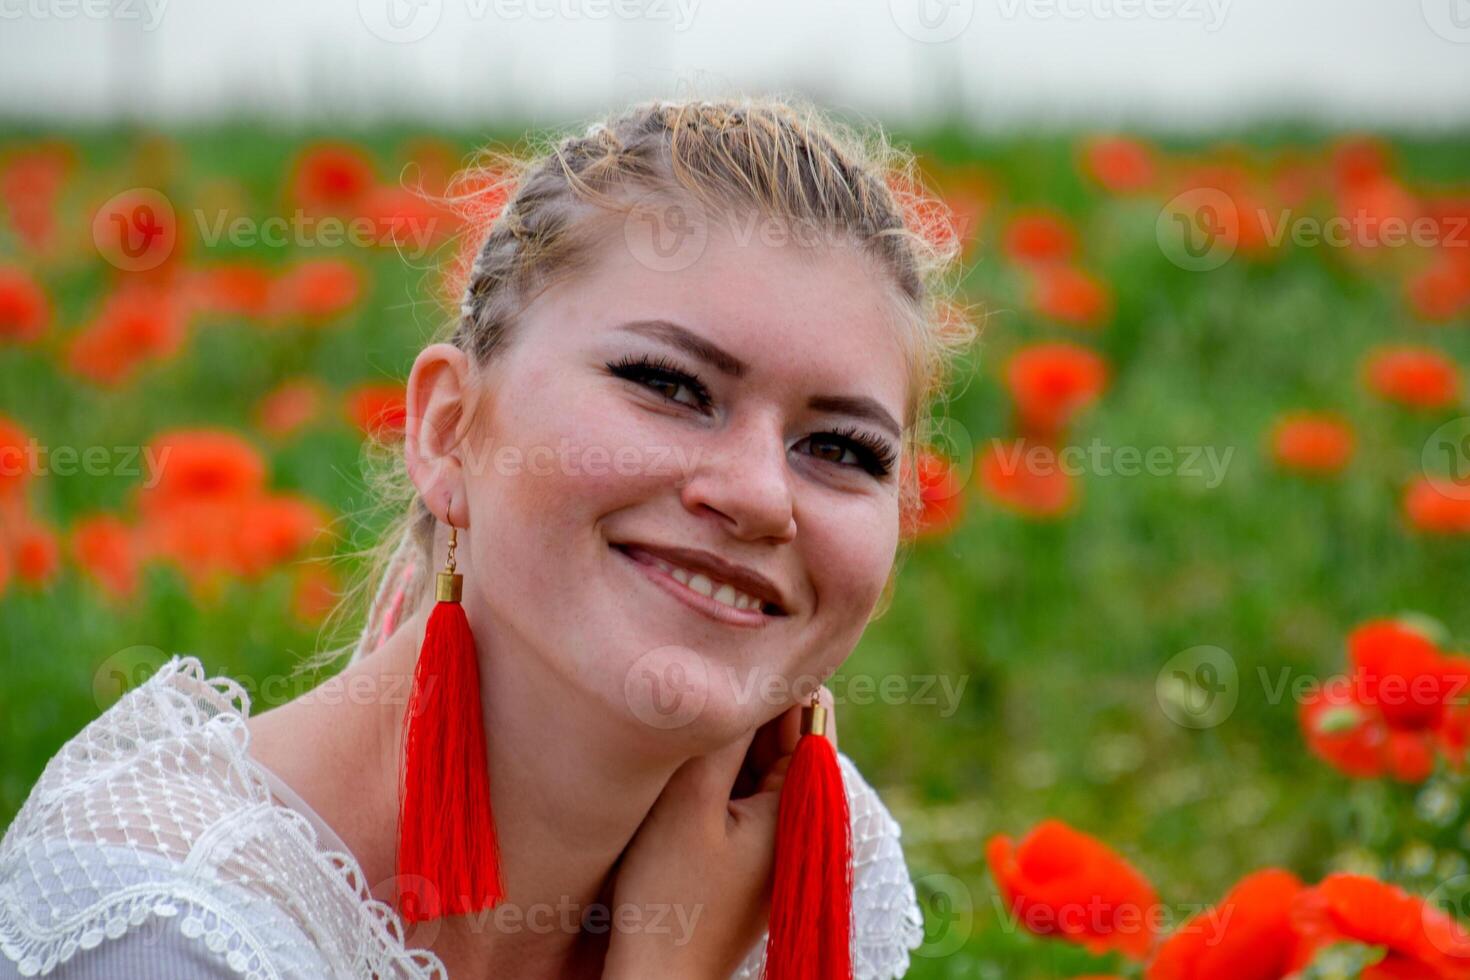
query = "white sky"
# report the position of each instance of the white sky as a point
(1178, 62)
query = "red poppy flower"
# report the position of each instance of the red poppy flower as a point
(1120, 164)
(106, 551)
(1247, 936)
(1238, 211)
(15, 459)
(24, 309)
(1027, 477)
(1440, 292)
(1416, 377)
(1354, 739)
(1428, 508)
(1051, 382)
(136, 325)
(476, 198)
(314, 593)
(206, 510)
(379, 410)
(1419, 940)
(191, 465)
(941, 500)
(36, 552)
(232, 289)
(274, 528)
(406, 219)
(1380, 213)
(1071, 296)
(1359, 161)
(138, 231)
(969, 203)
(317, 289)
(1400, 672)
(430, 161)
(1039, 236)
(289, 406)
(30, 181)
(197, 536)
(1311, 442)
(331, 177)
(1061, 882)
(925, 215)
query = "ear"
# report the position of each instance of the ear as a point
(436, 408)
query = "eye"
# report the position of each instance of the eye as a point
(870, 452)
(662, 376)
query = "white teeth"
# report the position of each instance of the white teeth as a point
(724, 593)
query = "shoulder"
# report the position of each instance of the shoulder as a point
(154, 815)
(887, 920)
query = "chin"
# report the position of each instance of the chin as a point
(674, 692)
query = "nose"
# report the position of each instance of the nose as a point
(741, 478)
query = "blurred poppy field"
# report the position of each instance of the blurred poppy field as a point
(1176, 679)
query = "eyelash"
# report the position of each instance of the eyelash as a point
(877, 456)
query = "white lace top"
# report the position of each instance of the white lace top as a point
(155, 832)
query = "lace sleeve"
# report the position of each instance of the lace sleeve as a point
(887, 920)
(165, 954)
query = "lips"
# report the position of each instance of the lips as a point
(713, 568)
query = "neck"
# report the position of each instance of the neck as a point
(570, 780)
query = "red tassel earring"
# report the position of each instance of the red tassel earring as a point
(811, 902)
(448, 854)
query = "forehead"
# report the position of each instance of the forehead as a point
(818, 315)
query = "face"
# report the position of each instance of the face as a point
(731, 420)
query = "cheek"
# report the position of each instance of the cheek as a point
(558, 460)
(850, 552)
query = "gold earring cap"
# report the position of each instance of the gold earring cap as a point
(813, 720)
(449, 587)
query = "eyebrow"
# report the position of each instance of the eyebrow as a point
(691, 343)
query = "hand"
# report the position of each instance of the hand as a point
(707, 858)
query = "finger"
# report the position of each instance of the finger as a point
(711, 777)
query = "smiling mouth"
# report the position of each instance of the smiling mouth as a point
(719, 600)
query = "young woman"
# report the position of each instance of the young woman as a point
(669, 438)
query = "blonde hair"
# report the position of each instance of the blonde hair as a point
(778, 157)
